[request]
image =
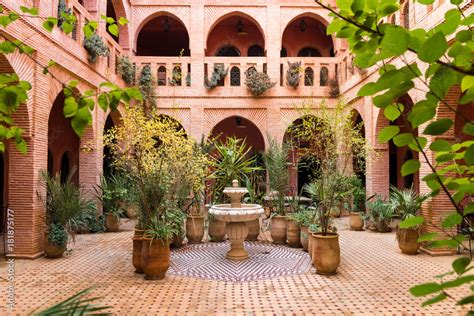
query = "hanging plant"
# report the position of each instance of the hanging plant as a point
(96, 47)
(293, 74)
(147, 86)
(258, 82)
(126, 69)
(218, 75)
(176, 77)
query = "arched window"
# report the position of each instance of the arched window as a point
(255, 51)
(228, 51)
(65, 168)
(162, 76)
(308, 76)
(309, 52)
(235, 76)
(176, 76)
(406, 15)
(283, 52)
(323, 76)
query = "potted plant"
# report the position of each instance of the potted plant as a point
(178, 218)
(96, 47)
(356, 220)
(217, 77)
(64, 205)
(156, 247)
(112, 195)
(380, 214)
(276, 163)
(303, 218)
(407, 203)
(195, 221)
(293, 74)
(216, 228)
(257, 82)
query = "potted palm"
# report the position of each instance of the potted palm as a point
(156, 247)
(112, 194)
(356, 220)
(380, 214)
(407, 203)
(302, 219)
(195, 220)
(276, 163)
(64, 205)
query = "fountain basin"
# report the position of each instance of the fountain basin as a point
(246, 212)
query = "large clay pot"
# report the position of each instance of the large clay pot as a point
(408, 240)
(137, 250)
(383, 227)
(293, 232)
(155, 258)
(177, 240)
(304, 239)
(326, 253)
(278, 230)
(254, 230)
(216, 230)
(356, 222)
(195, 228)
(51, 250)
(112, 222)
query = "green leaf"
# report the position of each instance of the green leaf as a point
(388, 133)
(411, 222)
(418, 146)
(456, 2)
(32, 11)
(395, 42)
(427, 237)
(70, 107)
(440, 145)
(410, 166)
(402, 140)
(433, 48)
(393, 111)
(460, 264)
(438, 298)
(103, 101)
(469, 156)
(468, 129)
(81, 120)
(67, 27)
(122, 21)
(425, 289)
(464, 36)
(50, 23)
(451, 220)
(466, 300)
(344, 5)
(438, 127)
(467, 83)
(113, 29)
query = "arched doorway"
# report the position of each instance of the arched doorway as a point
(239, 32)
(113, 119)
(305, 36)
(163, 35)
(63, 142)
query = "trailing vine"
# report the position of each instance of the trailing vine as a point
(258, 82)
(126, 69)
(96, 47)
(218, 74)
(293, 74)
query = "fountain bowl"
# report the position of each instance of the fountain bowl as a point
(246, 212)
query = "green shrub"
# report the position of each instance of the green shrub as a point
(126, 69)
(258, 82)
(218, 74)
(57, 235)
(96, 47)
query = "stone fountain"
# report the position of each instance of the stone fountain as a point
(235, 215)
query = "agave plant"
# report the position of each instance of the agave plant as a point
(77, 304)
(406, 202)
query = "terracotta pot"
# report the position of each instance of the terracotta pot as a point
(138, 232)
(356, 222)
(194, 228)
(112, 222)
(382, 227)
(254, 230)
(177, 241)
(155, 258)
(326, 253)
(137, 254)
(304, 239)
(51, 250)
(293, 232)
(216, 230)
(408, 240)
(278, 230)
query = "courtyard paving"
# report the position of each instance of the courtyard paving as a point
(374, 278)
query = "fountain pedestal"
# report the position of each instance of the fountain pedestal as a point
(235, 215)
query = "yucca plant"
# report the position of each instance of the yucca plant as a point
(406, 202)
(76, 305)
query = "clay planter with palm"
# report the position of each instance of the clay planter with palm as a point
(293, 232)
(216, 229)
(356, 222)
(278, 229)
(195, 228)
(137, 250)
(112, 222)
(253, 230)
(155, 258)
(326, 253)
(51, 250)
(407, 203)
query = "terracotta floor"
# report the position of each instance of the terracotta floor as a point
(373, 278)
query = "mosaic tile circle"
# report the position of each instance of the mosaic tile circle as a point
(208, 261)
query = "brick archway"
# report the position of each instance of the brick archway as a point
(124, 34)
